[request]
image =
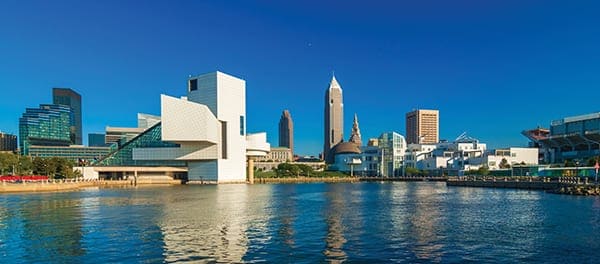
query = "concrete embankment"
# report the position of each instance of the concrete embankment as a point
(414, 178)
(560, 185)
(66, 185)
(514, 184)
(306, 179)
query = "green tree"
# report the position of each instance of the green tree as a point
(483, 171)
(592, 161)
(306, 170)
(410, 171)
(504, 164)
(8, 163)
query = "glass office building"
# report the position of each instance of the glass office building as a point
(48, 125)
(70, 98)
(392, 146)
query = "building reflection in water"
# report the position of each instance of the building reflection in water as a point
(334, 212)
(426, 221)
(51, 227)
(287, 215)
(210, 225)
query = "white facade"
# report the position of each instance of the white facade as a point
(366, 163)
(465, 154)
(209, 125)
(225, 96)
(456, 155)
(513, 156)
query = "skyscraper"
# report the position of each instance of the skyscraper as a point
(355, 136)
(334, 119)
(68, 97)
(8, 142)
(422, 127)
(286, 131)
(48, 125)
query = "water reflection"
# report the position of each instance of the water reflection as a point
(333, 214)
(287, 215)
(51, 227)
(208, 224)
(426, 221)
(310, 223)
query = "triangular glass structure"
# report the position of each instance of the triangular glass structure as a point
(151, 138)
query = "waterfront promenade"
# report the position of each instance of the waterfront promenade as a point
(72, 184)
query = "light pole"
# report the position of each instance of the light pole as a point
(597, 166)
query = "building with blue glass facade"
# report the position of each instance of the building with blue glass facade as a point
(70, 98)
(48, 125)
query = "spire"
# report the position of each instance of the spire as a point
(355, 135)
(334, 83)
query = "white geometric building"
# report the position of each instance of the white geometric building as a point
(206, 131)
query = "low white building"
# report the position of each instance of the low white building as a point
(456, 155)
(466, 153)
(510, 157)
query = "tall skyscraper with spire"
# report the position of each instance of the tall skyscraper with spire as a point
(334, 119)
(286, 131)
(355, 136)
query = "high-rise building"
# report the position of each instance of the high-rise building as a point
(355, 135)
(286, 131)
(8, 142)
(48, 125)
(68, 97)
(334, 119)
(422, 127)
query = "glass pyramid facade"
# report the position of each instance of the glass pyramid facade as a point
(151, 138)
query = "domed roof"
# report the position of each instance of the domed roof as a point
(346, 148)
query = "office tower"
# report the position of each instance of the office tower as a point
(355, 136)
(334, 119)
(8, 142)
(48, 125)
(68, 97)
(286, 131)
(422, 127)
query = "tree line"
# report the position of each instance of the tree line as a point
(53, 167)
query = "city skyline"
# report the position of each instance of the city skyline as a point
(479, 64)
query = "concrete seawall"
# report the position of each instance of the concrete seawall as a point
(514, 184)
(306, 180)
(67, 185)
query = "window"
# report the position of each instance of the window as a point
(193, 85)
(223, 140)
(242, 126)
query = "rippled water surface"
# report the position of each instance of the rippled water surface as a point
(299, 223)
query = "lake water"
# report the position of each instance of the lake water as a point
(299, 223)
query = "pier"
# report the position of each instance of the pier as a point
(560, 185)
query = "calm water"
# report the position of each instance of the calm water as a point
(302, 223)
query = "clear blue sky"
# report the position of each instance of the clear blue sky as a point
(492, 69)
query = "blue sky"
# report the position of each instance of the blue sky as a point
(492, 69)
